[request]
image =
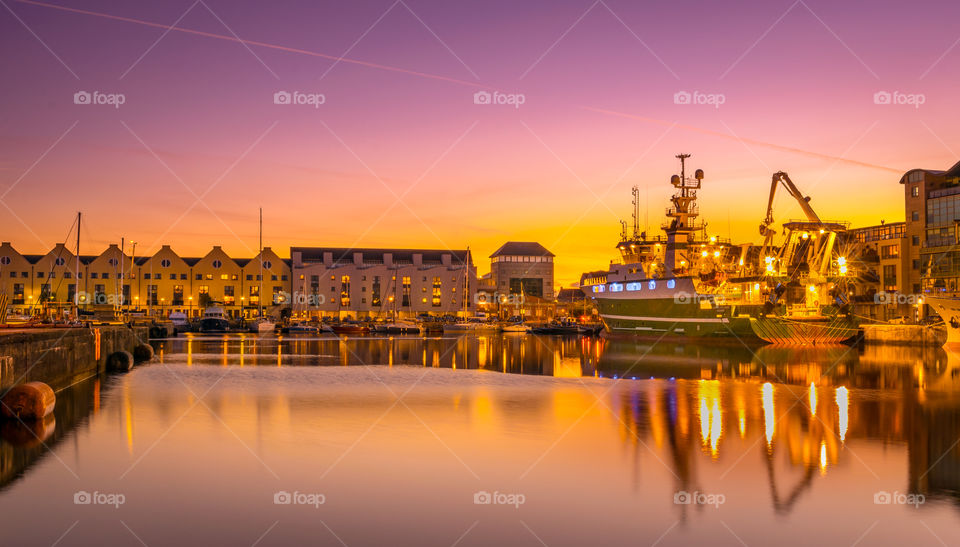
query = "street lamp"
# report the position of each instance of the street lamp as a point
(191, 305)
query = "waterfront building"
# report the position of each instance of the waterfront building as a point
(882, 263)
(381, 283)
(932, 208)
(158, 284)
(521, 279)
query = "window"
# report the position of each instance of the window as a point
(916, 176)
(616, 287)
(17, 293)
(436, 300)
(634, 286)
(671, 283)
(249, 277)
(224, 277)
(60, 261)
(173, 277)
(4, 260)
(199, 277)
(915, 216)
(652, 284)
(165, 263)
(345, 290)
(890, 278)
(916, 264)
(405, 301)
(915, 191)
(916, 240)
(151, 295)
(183, 276)
(177, 295)
(890, 251)
(267, 264)
(254, 294)
(375, 298)
(229, 298)
(217, 264)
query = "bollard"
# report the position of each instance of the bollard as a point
(29, 401)
(120, 361)
(143, 352)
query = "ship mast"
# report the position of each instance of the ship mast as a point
(683, 215)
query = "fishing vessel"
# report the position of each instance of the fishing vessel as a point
(693, 285)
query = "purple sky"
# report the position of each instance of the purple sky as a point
(399, 154)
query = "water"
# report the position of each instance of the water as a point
(399, 437)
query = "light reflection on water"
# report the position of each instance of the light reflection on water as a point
(797, 441)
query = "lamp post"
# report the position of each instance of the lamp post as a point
(161, 306)
(190, 313)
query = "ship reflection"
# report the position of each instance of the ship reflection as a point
(800, 408)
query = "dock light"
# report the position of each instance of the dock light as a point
(704, 253)
(756, 286)
(805, 235)
(822, 230)
(813, 288)
(741, 262)
(713, 239)
(716, 254)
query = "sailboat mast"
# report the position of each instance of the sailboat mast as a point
(260, 289)
(76, 273)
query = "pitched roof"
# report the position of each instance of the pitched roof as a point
(522, 248)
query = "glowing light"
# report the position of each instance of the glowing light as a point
(823, 458)
(813, 399)
(812, 288)
(743, 422)
(769, 419)
(716, 254)
(843, 404)
(713, 239)
(704, 253)
(805, 235)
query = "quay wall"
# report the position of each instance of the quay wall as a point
(61, 356)
(903, 334)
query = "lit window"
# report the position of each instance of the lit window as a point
(652, 284)
(616, 287)
(634, 286)
(671, 283)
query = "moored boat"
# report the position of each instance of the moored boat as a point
(214, 320)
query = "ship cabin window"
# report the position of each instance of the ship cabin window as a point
(616, 287)
(634, 286)
(598, 288)
(672, 283)
(652, 284)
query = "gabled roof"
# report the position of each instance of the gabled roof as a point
(522, 248)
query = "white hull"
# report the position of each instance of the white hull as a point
(949, 311)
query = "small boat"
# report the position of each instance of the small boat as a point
(350, 327)
(397, 327)
(180, 321)
(263, 325)
(471, 325)
(556, 327)
(301, 328)
(514, 327)
(590, 329)
(214, 320)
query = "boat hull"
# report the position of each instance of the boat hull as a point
(835, 329)
(209, 324)
(668, 317)
(949, 310)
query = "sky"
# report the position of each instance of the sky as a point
(389, 143)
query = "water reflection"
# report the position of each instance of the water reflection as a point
(781, 425)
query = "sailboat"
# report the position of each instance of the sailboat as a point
(262, 324)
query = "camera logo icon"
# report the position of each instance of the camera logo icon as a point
(281, 97)
(482, 97)
(882, 498)
(282, 498)
(882, 97)
(682, 498)
(682, 97)
(482, 498)
(82, 498)
(81, 97)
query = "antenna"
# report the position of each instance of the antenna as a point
(636, 212)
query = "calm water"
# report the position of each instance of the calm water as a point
(392, 441)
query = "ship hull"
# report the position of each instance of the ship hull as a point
(668, 317)
(949, 310)
(836, 329)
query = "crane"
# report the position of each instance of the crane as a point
(804, 201)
